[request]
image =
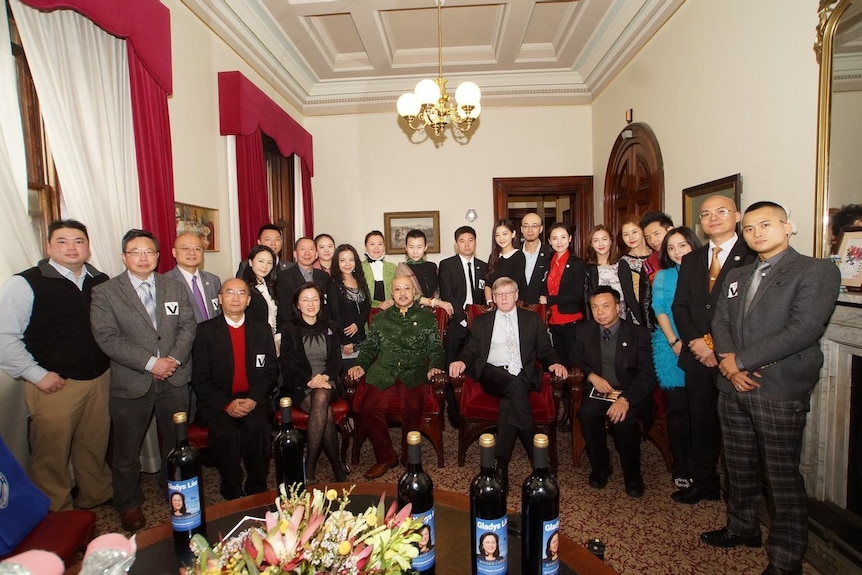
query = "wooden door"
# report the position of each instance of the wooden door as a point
(634, 181)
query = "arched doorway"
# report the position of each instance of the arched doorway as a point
(634, 181)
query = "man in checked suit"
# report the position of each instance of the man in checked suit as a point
(188, 252)
(509, 373)
(462, 282)
(235, 371)
(697, 293)
(767, 328)
(145, 324)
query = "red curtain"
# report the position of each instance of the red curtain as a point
(251, 188)
(244, 110)
(146, 26)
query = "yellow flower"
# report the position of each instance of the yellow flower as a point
(331, 495)
(344, 547)
(371, 520)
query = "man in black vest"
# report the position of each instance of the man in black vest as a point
(46, 339)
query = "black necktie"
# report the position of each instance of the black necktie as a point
(470, 274)
(606, 334)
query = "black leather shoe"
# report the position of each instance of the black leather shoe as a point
(635, 488)
(773, 570)
(723, 538)
(693, 494)
(599, 479)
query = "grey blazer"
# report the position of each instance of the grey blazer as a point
(210, 286)
(123, 330)
(779, 336)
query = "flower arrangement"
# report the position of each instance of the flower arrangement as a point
(312, 533)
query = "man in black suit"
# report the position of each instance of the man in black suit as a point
(538, 256)
(501, 354)
(305, 252)
(462, 282)
(234, 372)
(616, 359)
(268, 235)
(767, 330)
(693, 308)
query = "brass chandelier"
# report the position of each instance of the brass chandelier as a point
(429, 103)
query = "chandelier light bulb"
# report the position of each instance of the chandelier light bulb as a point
(474, 113)
(427, 92)
(408, 105)
(468, 94)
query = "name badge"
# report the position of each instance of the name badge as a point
(172, 308)
(214, 301)
(260, 360)
(481, 284)
(733, 290)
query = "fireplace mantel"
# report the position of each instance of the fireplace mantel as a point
(825, 455)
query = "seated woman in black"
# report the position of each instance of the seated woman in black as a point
(310, 364)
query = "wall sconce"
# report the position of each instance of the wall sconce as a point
(471, 215)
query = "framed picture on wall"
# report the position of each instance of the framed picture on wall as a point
(849, 258)
(693, 198)
(198, 219)
(396, 225)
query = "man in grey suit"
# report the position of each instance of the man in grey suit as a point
(145, 324)
(202, 287)
(766, 330)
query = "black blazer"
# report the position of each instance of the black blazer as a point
(258, 309)
(289, 281)
(532, 290)
(212, 372)
(693, 304)
(534, 341)
(295, 367)
(453, 285)
(633, 359)
(570, 298)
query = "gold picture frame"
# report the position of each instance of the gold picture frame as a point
(200, 220)
(397, 224)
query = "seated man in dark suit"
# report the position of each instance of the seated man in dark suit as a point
(616, 358)
(234, 372)
(501, 353)
(403, 350)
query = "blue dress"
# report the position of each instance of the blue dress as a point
(670, 376)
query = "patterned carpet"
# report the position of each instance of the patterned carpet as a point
(649, 535)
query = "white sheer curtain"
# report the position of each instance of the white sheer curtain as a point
(82, 79)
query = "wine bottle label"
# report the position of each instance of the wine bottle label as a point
(492, 553)
(428, 534)
(184, 498)
(551, 546)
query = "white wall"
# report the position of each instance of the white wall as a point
(727, 87)
(365, 165)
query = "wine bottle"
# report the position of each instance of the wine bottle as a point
(540, 509)
(415, 487)
(289, 455)
(488, 521)
(185, 492)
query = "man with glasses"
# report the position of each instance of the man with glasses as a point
(538, 255)
(202, 287)
(235, 370)
(145, 324)
(501, 354)
(700, 278)
(46, 340)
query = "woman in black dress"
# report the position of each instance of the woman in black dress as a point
(260, 277)
(354, 300)
(506, 260)
(310, 364)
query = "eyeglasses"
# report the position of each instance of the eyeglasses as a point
(531, 226)
(720, 212)
(195, 249)
(504, 294)
(234, 293)
(139, 253)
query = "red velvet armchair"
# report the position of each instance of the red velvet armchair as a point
(478, 410)
(434, 412)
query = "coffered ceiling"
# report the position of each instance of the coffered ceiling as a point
(347, 56)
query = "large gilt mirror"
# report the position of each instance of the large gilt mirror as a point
(839, 117)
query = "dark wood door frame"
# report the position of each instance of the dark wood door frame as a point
(578, 188)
